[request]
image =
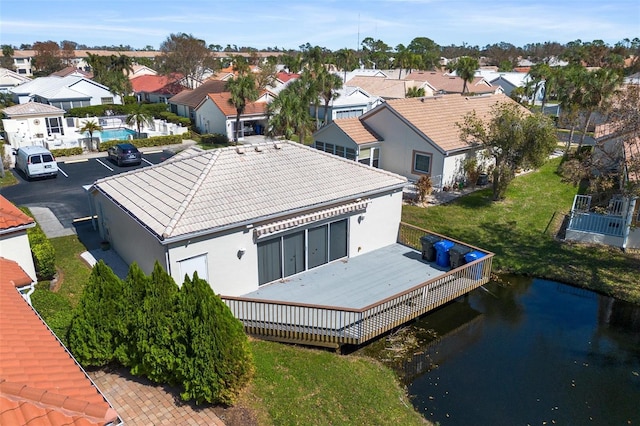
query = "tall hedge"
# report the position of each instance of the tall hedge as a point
(98, 329)
(153, 325)
(42, 251)
(212, 350)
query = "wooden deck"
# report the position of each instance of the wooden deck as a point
(358, 299)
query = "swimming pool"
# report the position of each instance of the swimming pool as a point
(115, 134)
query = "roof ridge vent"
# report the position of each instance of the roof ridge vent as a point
(240, 149)
(258, 148)
(277, 145)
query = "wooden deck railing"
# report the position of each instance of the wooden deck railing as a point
(335, 326)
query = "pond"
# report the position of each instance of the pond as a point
(526, 352)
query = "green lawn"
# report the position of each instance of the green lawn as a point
(520, 231)
(297, 386)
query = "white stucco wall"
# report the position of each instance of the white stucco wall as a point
(27, 131)
(593, 238)
(127, 237)
(209, 119)
(228, 273)
(379, 224)
(15, 246)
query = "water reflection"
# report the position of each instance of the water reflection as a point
(531, 352)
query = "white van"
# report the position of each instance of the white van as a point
(36, 161)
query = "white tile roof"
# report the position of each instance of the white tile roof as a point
(217, 189)
(31, 108)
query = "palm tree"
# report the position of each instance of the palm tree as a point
(415, 92)
(289, 112)
(139, 117)
(465, 67)
(329, 84)
(243, 90)
(90, 127)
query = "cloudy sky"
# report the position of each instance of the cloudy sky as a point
(327, 23)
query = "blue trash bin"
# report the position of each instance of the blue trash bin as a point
(442, 252)
(477, 269)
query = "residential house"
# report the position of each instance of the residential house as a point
(10, 79)
(411, 137)
(444, 83)
(215, 114)
(139, 70)
(155, 88)
(35, 123)
(248, 215)
(350, 102)
(185, 102)
(40, 382)
(508, 81)
(14, 242)
(387, 88)
(64, 92)
(72, 71)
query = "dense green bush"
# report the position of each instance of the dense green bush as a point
(147, 142)
(214, 139)
(186, 337)
(98, 332)
(101, 110)
(175, 118)
(213, 354)
(67, 152)
(42, 251)
(152, 324)
(44, 259)
(54, 309)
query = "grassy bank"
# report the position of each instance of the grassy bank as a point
(296, 386)
(521, 230)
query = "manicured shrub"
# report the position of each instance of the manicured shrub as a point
(152, 325)
(214, 139)
(98, 329)
(44, 260)
(42, 251)
(55, 310)
(67, 152)
(212, 350)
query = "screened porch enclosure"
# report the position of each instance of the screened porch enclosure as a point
(353, 300)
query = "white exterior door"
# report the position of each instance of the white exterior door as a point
(194, 264)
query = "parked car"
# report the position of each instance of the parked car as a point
(124, 153)
(36, 161)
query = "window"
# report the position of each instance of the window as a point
(302, 250)
(54, 125)
(106, 101)
(421, 163)
(351, 113)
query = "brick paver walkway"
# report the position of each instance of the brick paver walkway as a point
(140, 402)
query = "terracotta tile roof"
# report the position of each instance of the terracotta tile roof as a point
(388, 88)
(217, 189)
(436, 117)
(222, 102)
(358, 131)
(71, 70)
(12, 217)
(39, 381)
(442, 82)
(156, 84)
(284, 76)
(192, 98)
